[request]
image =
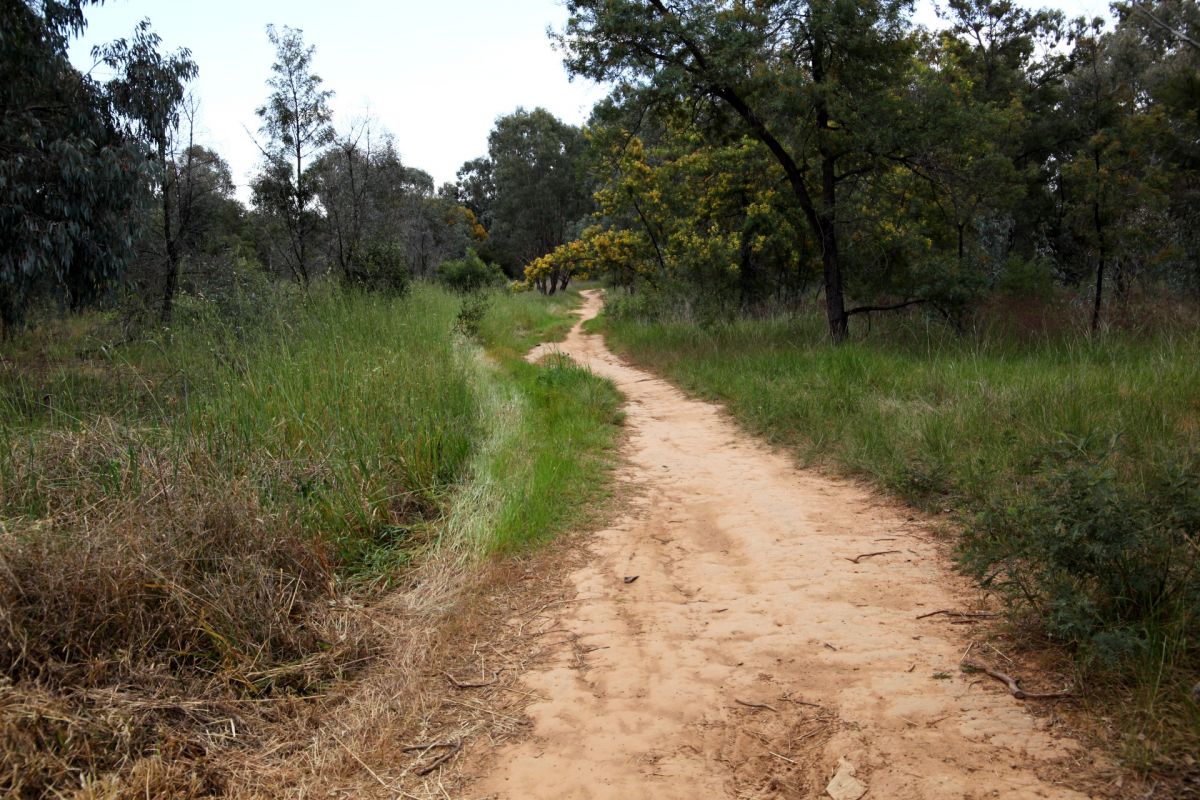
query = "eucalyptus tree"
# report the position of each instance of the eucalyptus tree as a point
(344, 181)
(819, 83)
(70, 183)
(1110, 183)
(476, 188)
(1155, 43)
(296, 123)
(148, 93)
(531, 191)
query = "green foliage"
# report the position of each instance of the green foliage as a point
(296, 121)
(530, 191)
(70, 183)
(1105, 561)
(470, 273)
(149, 88)
(380, 267)
(474, 306)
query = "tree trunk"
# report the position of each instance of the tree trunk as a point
(835, 304)
(170, 286)
(172, 246)
(1096, 219)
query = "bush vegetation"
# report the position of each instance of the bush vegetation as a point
(470, 273)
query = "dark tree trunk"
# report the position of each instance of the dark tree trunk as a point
(1099, 223)
(835, 303)
(171, 280)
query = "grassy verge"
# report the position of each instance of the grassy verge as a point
(182, 517)
(1072, 464)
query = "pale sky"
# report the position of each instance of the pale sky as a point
(436, 74)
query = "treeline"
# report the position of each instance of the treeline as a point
(106, 193)
(752, 152)
(748, 155)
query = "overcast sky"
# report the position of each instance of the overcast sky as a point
(436, 74)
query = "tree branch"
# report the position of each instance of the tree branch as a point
(1183, 37)
(896, 307)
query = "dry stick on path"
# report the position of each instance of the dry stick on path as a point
(412, 748)
(755, 705)
(457, 684)
(1013, 687)
(858, 558)
(965, 614)
(442, 759)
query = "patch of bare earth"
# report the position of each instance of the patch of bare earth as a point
(747, 629)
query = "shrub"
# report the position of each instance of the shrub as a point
(470, 273)
(380, 267)
(471, 315)
(1107, 564)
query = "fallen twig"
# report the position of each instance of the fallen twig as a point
(858, 558)
(949, 612)
(784, 758)
(412, 748)
(457, 684)
(442, 759)
(1013, 687)
(755, 705)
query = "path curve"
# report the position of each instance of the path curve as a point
(750, 658)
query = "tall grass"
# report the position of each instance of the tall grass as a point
(183, 515)
(557, 454)
(1072, 463)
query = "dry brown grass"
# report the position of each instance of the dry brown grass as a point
(150, 616)
(169, 638)
(475, 621)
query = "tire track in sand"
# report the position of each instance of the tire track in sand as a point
(750, 656)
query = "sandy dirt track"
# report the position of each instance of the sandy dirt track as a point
(750, 658)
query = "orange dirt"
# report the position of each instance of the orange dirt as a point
(750, 658)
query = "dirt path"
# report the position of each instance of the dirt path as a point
(750, 658)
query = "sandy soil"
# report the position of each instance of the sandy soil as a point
(750, 658)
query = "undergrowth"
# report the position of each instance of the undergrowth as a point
(190, 519)
(1070, 460)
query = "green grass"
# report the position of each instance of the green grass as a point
(182, 514)
(556, 459)
(940, 422)
(361, 414)
(1072, 466)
